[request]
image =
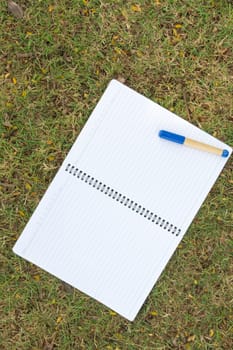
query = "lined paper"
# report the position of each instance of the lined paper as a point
(98, 245)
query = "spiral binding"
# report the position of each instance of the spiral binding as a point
(122, 199)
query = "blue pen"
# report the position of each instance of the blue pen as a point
(170, 136)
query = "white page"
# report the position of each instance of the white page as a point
(92, 241)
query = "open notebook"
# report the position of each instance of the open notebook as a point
(121, 201)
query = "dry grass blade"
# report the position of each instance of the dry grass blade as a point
(15, 9)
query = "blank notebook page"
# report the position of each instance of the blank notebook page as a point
(121, 201)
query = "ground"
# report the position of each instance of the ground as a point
(55, 62)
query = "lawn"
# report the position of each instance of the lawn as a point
(55, 63)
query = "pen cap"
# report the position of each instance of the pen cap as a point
(170, 136)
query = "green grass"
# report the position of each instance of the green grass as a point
(54, 65)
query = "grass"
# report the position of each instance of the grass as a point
(54, 65)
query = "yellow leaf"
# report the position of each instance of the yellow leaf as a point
(175, 32)
(211, 333)
(51, 8)
(7, 75)
(191, 338)
(21, 213)
(112, 313)
(136, 8)
(43, 70)
(59, 319)
(28, 34)
(24, 93)
(28, 186)
(50, 158)
(178, 25)
(118, 50)
(53, 301)
(139, 53)
(195, 282)
(49, 142)
(154, 313)
(181, 53)
(36, 278)
(14, 80)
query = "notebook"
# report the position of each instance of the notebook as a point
(121, 201)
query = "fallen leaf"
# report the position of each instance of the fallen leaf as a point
(136, 8)
(15, 9)
(28, 186)
(51, 158)
(51, 8)
(59, 319)
(154, 313)
(121, 79)
(191, 338)
(36, 278)
(211, 333)
(112, 313)
(7, 124)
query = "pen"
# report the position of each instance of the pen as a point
(170, 136)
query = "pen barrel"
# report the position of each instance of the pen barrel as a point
(202, 146)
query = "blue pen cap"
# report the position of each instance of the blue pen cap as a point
(225, 153)
(170, 136)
